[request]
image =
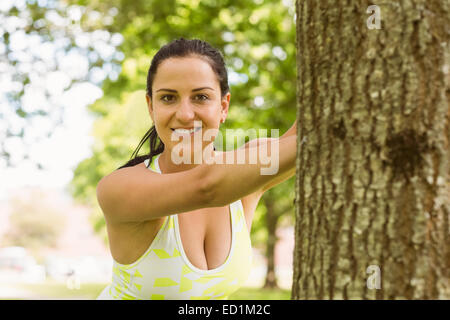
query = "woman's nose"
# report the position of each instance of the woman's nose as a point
(185, 111)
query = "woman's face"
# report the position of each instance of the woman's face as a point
(186, 90)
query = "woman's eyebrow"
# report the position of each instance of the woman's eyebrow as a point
(193, 90)
(198, 89)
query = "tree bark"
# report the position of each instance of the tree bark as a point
(271, 225)
(372, 187)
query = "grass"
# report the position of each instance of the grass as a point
(87, 291)
(90, 291)
(260, 294)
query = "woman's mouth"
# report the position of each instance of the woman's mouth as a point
(186, 131)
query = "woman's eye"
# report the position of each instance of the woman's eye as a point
(165, 98)
(201, 97)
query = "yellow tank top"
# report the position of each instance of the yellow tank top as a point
(164, 272)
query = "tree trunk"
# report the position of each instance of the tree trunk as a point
(271, 224)
(372, 189)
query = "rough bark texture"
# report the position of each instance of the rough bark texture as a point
(373, 177)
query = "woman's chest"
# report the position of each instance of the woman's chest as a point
(206, 236)
(173, 269)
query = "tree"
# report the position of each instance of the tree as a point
(278, 204)
(372, 200)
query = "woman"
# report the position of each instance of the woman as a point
(181, 229)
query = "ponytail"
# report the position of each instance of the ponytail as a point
(155, 149)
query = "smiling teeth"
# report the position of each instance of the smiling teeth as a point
(184, 131)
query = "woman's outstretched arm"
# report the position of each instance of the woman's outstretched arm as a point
(134, 194)
(280, 177)
(229, 181)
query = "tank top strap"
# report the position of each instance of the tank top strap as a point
(154, 164)
(237, 210)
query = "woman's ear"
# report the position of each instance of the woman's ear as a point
(149, 105)
(225, 105)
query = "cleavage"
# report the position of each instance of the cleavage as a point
(206, 237)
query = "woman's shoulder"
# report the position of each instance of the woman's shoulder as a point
(138, 161)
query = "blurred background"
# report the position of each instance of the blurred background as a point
(72, 110)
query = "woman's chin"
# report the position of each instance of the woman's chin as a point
(192, 156)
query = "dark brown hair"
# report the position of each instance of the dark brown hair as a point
(178, 48)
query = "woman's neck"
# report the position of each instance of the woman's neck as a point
(167, 165)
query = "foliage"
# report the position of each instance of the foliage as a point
(282, 196)
(257, 39)
(47, 59)
(115, 138)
